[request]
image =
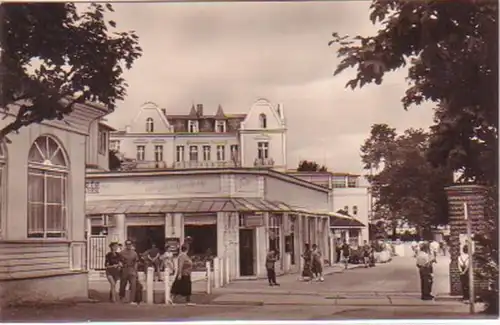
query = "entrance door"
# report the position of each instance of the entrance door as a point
(247, 252)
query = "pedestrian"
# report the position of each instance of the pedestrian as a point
(271, 259)
(168, 262)
(307, 256)
(129, 260)
(434, 246)
(113, 267)
(414, 248)
(366, 253)
(346, 252)
(152, 259)
(317, 263)
(463, 267)
(425, 263)
(338, 251)
(182, 285)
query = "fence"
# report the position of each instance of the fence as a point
(97, 246)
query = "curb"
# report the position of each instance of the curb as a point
(262, 303)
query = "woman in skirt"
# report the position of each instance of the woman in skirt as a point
(182, 283)
(113, 266)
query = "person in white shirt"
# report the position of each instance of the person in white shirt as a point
(463, 268)
(434, 245)
(425, 263)
(414, 248)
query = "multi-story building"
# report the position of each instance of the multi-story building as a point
(156, 139)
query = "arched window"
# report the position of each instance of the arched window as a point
(2, 181)
(47, 188)
(262, 121)
(150, 126)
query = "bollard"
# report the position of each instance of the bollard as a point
(166, 281)
(228, 278)
(209, 277)
(217, 277)
(150, 285)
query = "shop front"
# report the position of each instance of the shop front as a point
(223, 217)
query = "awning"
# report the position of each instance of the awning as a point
(197, 205)
(341, 220)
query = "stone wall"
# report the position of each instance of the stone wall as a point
(475, 197)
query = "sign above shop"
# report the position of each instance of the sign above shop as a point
(253, 221)
(169, 185)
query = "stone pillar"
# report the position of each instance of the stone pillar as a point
(475, 197)
(221, 235)
(120, 228)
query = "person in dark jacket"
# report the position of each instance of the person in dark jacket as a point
(271, 259)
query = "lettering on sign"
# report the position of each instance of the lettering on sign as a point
(92, 187)
(254, 221)
(167, 186)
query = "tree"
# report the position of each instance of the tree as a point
(405, 186)
(311, 166)
(115, 163)
(451, 48)
(54, 56)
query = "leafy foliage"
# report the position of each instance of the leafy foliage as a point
(405, 186)
(54, 56)
(451, 48)
(310, 166)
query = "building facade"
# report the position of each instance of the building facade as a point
(350, 196)
(156, 139)
(234, 213)
(42, 208)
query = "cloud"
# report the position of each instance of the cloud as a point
(233, 53)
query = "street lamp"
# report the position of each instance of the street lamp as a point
(471, 254)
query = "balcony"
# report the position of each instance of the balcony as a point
(264, 162)
(135, 165)
(205, 164)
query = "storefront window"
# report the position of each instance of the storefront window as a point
(275, 232)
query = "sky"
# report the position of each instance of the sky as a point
(234, 53)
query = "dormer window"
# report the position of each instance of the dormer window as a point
(193, 126)
(263, 121)
(220, 126)
(150, 125)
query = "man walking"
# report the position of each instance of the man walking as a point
(129, 259)
(271, 259)
(425, 268)
(346, 252)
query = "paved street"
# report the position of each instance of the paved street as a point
(386, 291)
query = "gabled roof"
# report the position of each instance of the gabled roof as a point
(220, 112)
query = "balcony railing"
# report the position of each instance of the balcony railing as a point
(134, 165)
(264, 162)
(205, 164)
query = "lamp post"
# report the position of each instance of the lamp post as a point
(470, 245)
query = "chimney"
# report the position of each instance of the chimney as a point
(128, 128)
(199, 109)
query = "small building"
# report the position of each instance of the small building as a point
(238, 213)
(42, 207)
(350, 197)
